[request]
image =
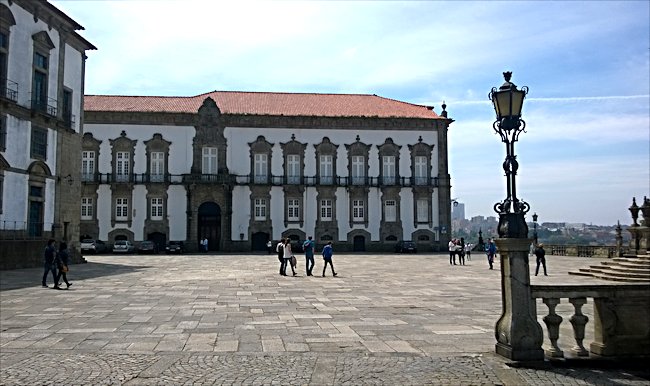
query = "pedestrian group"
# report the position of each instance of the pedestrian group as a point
(56, 262)
(288, 259)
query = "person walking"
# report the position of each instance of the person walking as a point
(48, 263)
(468, 251)
(327, 256)
(269, 246)
(280, 251)
(204, 244)
(308, 247)
(491, 250)
(62, 263)
(461, 251)
(540, 255)
(287, 256)
(452, 251)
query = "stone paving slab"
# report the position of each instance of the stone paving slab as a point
(231, 319)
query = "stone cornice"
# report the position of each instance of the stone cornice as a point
(266, 121)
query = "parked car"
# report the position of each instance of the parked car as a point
(405, 246)
(147, 247)
(93, 246)
(175, 247)
(123, 246)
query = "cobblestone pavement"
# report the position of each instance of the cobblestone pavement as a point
(232, 320)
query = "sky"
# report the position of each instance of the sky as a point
(586, 149)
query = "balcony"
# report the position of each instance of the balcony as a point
(145, 178)
(44, 105)
(9, 89)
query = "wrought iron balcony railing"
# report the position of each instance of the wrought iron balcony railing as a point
(8, 89)
(44, 105)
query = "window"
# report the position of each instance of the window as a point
(293, 169)
(4, 54)
(157, 208)
(420, 170)
(39, 83)
(67, 108)
(260, 209)
(157, 166)
(3, 132)
(122, 166)
(388, 169)
(261, 168)
(358, 210)
(293, 209)
(326, 169)
(390, 211)
(422, 210)
(87, 208)
(209, 160)
(87, 165)
(358, 170)
(39, 143)
(121, 209)
(2, 182)
(326, 210)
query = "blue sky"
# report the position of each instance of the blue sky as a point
(586, 151)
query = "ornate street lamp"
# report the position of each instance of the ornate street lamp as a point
(508, 101)
(535, 224)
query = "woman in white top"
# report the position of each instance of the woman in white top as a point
(287, 257)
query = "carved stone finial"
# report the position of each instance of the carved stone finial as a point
(444, 105)
(293, 137)
(123, 133)
(420, 139)
(634, 210)
(358, 138)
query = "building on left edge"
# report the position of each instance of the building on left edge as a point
(42, 66)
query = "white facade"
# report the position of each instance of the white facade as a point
(370, 204)
(42, 64)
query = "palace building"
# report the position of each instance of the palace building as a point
(42, 64)
(242, 168)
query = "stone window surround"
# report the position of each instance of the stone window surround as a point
(261, 146)
(89, 143)
(422, 193)
(41, 133)
(358, 148)
(89, 208)
(293, 147)
(122, 144)
(263, 192)
(157, 144)
(326, 148)
(6, 22)
(42, 46)
(388, 148)
(121, 191)
(423, 150)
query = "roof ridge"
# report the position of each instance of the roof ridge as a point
(403, 102)
(282, 92)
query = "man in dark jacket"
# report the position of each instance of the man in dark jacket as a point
(540, 254)
(48, 262)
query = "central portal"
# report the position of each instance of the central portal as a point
(210, 225)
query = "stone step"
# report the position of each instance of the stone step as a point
(623, 268)
(608, 272)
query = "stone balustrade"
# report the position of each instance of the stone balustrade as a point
(621, 318)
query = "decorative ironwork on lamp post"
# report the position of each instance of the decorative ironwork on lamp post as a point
(508, 101)
(535, 225)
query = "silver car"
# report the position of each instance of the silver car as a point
(123, 246)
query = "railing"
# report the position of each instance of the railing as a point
(23, 230)
(107, 178)
(46, 106)
(620, 315)
(9, 89)
(69, 120)
(581, 250)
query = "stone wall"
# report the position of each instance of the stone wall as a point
(27, 254)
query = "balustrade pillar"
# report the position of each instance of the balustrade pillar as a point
(578, 320)
(552, 321)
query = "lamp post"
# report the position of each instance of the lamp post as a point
(535, 225)
(519, 336)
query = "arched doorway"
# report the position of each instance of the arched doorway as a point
(359, 244)
(259, 240)
(210, 225)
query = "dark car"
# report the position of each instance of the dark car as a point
(93, 246)
(147, 247)
(406, 247)
(175, 247)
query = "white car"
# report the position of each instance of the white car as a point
(123, 246)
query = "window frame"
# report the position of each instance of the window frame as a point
(358, 210)
(210, 160)
(422, 210)
(122, 166)
(156, 208)
(87, 208)
(38, 133)
(326, 207)
(390, 212)
(260, 168)
(293, 209)
(121, 205)
(260, 209)
(88, 163)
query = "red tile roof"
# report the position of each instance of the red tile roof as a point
(266, 103)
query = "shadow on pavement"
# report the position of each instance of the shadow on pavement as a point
(31, 277)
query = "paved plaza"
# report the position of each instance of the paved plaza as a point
(232, 319)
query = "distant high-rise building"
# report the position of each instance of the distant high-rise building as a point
(458, 211)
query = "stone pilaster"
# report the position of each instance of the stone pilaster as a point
(519, 336)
